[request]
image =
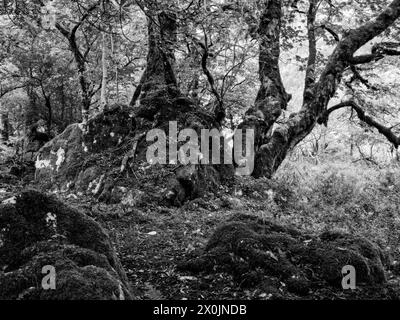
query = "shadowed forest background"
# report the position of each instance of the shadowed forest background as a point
(82, 82)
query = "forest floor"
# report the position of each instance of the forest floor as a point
(151, 240)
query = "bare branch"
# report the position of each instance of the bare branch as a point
(386, 131)
(331, 31)
(358, 76)
(5, 91)
(378, 52)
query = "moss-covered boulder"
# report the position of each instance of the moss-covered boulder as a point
(37, 231)
(63, 161)
(257, 251)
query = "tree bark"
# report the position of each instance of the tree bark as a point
(104, 61)
(158, 88)
(4, 127)
(272, 98)
(86, 94)
(312, 53)
(49, 115)
(31, 111)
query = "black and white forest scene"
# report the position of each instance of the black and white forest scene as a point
(200, 150)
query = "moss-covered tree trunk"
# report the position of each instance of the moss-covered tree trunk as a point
(272, 98)
(158, 84)
(159, 100)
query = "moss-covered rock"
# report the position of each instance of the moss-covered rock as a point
(61, 162)
(37, 231)
(253, 250)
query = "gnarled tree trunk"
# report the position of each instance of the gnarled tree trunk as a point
(272, 98)
(317, 95)
(158, 86)
(159, 100)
